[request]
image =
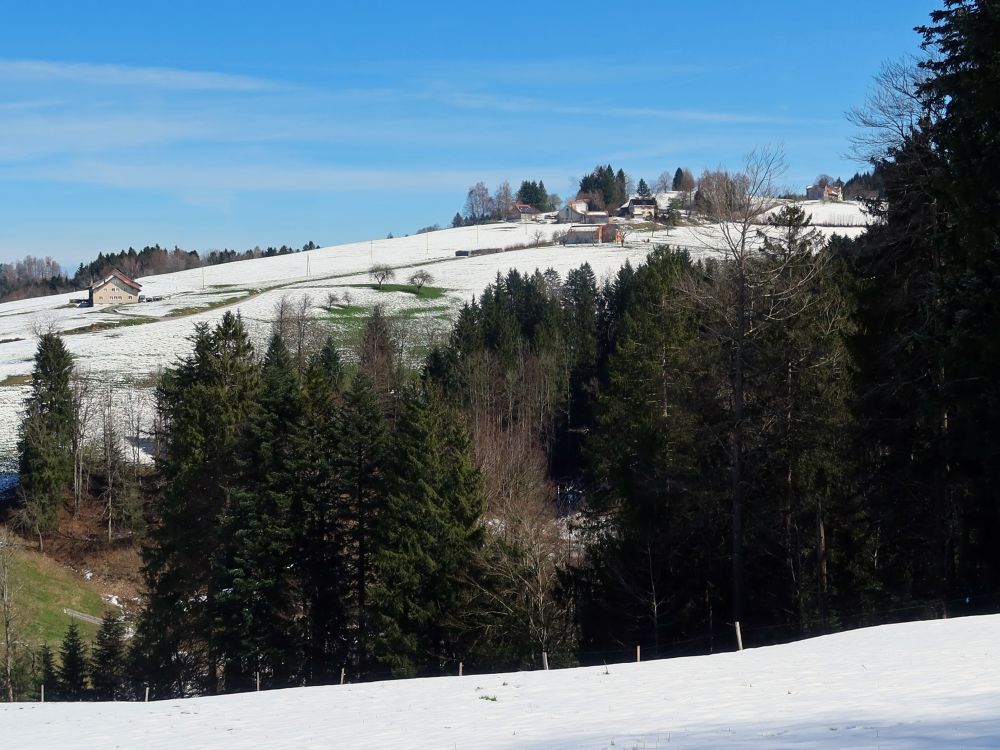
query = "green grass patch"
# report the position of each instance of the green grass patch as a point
(425, 292)
(106, 325)
(347, 311)
(16, 380)
(181, 312)
(42, 590)
(412, 312)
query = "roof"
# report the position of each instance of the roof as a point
(524, 208)
(116, 274)
(639, 200)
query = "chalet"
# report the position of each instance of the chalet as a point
(578, 212)
(825, 192)
(522, 212)
(639, 208)
(116, 289)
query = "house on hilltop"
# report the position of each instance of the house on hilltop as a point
(639, 207)
(522, 212)
(116, 289)
(578, 211)
(823, 192)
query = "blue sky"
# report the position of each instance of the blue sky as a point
(234, 124)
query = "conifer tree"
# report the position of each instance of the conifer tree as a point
(49, 676)
(319, 519)
(46, 439)
(426, 538)
(962, 89)
(258, 628)
(643, 190)
(655, 569)
(108, 667)
(204, 405)
(73, 665)
(678, 180)
(361, 457)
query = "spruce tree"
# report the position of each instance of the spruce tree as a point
(49, 677)
(72, 672)
(655, 568)
(643, 190)
(963, 91)
(319, 519)
(46, 438)
(108, 667)
(361, 457)
(258, 632)
(426, 538)
(204, 405)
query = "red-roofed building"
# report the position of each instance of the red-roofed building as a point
(116, 289)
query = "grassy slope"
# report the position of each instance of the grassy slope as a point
(42, 589)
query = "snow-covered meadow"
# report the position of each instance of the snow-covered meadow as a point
(933, 684)
(132, 342)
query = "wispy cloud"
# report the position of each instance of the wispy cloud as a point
(123, 75)
(519, 104)
(243, 177)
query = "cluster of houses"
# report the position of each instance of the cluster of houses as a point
(588, 226)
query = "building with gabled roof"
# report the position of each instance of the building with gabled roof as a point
(523, 212)
(115, 289)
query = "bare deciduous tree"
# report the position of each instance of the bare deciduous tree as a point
(7, 617)
(83, 406)
(890, 112)
(381, 273)
(295, 323)
(478, 203)
(420, 279)
(503, 201)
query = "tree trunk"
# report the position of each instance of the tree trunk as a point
(7, 613)
(736, 472)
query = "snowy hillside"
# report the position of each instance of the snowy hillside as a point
(916, 685)
(130, 342)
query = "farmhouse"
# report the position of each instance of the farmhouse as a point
(523, 212)
(639, 208)
(116, 289)
(578, 212)
(824, 193)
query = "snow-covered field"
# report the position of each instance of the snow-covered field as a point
(932, 684)
(138, 340)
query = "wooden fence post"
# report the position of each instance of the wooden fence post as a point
(545, 660)
(147, 694)
(638, 654)
(460, 666)
(43, 693)
(258, 682)
(739, 636)
(342, 671)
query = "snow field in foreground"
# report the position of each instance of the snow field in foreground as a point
(933, 684)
